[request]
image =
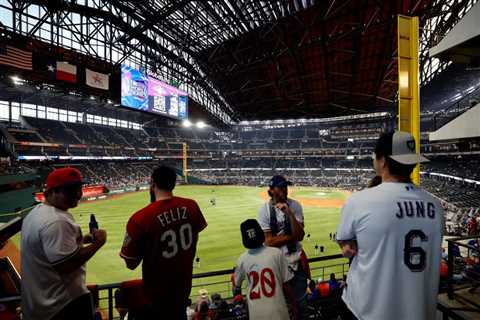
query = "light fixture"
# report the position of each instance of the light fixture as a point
(187, 123)
(16, 79)
(92, 98)
(201, 125)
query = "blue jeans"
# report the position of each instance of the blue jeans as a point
(299, 286)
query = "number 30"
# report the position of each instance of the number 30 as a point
(186, 239)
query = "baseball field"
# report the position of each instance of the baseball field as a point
(220, 244)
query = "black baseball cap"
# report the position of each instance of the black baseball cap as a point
(252, 234)
(216, 297)
(400, 147)
(279, 181)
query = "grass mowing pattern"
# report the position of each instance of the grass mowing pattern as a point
(220, 244)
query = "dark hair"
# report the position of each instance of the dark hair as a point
(164, 178)
(203, 307)
(398, 169)
(375, 181)
(383, 148)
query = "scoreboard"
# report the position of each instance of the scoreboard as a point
(145, 93)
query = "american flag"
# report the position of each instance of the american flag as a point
(13, 57)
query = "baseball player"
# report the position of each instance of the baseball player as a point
(266, 270)
(164, 236)
(394, 233)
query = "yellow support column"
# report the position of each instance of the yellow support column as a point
(185, 162)
(408, 82)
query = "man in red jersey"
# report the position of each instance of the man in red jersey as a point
(164, 235)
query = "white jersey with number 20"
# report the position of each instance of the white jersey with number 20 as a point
(266, 270)
(395, 275)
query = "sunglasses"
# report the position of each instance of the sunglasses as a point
(71, 190)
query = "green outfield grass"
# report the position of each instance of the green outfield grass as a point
(220, 244)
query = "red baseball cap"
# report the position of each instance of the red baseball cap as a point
(62, 177)
(238, 298)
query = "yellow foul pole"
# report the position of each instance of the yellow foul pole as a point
(185, 162)
(408, 82)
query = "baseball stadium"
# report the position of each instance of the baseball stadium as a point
(237, 99)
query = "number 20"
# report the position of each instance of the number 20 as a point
(267, 284)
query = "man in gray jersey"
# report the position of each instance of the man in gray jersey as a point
(393, 232)
(282, 221)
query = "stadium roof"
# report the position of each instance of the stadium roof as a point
(249, 59)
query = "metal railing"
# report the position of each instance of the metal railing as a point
(454, 246)
(106, 292)
(219, 284)
(462, 277)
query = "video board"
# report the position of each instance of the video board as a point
(145, 93)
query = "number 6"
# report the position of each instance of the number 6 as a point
(408, 251)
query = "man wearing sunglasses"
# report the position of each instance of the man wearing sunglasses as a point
(53, 253)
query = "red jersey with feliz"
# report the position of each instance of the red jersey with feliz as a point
(164, 235)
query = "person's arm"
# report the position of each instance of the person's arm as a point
(132, 248)
(286, 276)
(263, 218)
(82, 255)
(238, 276)
(199, 220)
(346, 231)
(65, 254)
(131, 263)
(349, 248)
(278, 240)
(264, 221)
(297, 228)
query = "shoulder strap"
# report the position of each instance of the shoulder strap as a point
(273, 220)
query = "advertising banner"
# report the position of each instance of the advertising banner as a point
(88, 192)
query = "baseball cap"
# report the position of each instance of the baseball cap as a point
(279, 181)
(63, 177)
(216, 297)
(238, 298)
(400, 147)
(252, 234)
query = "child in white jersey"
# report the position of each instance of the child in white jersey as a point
(267, 273)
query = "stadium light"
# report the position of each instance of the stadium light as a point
(187, 123)
(201, 125)
(16, 79)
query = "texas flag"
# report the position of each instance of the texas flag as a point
(65, 71)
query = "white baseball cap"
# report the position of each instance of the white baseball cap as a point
(399, 146)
